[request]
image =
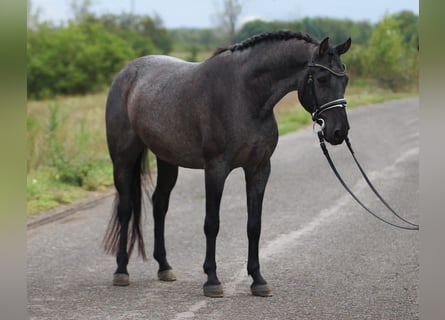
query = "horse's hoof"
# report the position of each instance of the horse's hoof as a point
(166, 275)
(261, 290)
(213, 291)
(121, 279)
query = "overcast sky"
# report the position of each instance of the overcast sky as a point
(200, 13)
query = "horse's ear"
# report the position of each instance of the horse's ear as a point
(343, 48)
(324, 46)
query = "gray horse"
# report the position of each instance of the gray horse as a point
(216, 115)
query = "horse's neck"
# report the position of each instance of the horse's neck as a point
(276, 69)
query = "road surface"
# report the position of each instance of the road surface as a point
(323, 256)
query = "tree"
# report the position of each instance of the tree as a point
(408, 27)
(228, 18)
(82, 10)
(338, 30)
(144, 34)
(73, 59)
(252, 28)
(33, 15)
(385, 58)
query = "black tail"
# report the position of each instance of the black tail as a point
(111, 238)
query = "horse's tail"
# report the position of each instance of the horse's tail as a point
(129, 206)
(135, 235)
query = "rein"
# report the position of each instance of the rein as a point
(334, 169)
(341, 103)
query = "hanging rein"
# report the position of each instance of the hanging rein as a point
(341, 103)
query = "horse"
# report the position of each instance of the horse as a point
(215, 115)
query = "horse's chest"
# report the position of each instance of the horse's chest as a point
(254, 147)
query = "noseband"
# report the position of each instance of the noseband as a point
(318, 110)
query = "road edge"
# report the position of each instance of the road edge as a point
(58, 213)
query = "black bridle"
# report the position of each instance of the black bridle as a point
(341, 103)
(318, 109)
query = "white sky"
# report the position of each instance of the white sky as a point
(200, 13)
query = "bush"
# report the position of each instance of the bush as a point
(252, 28)
(73, 59)
(386, 57)
(355, 61)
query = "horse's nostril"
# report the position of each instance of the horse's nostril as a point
(338, 134)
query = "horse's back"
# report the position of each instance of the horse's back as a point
(159, 97)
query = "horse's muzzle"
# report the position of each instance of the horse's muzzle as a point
(336, 135)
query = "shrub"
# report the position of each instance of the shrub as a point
(386, 59)
(73, 59)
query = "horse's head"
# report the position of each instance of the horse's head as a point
(322, 89)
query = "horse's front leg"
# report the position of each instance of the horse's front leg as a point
(215, 176)
(256, 180)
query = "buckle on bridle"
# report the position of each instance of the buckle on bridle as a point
(319, 123)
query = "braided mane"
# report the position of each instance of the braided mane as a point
(267, 36)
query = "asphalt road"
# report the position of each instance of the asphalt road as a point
(323, 256)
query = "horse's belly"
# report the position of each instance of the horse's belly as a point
(173, 145)
(181, 156)
(168, 134)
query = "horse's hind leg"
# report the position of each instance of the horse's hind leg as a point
(256, 181)
(166, 180)
(127, 179)
(128, 154)
(124, 208)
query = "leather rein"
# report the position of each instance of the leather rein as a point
(341, 103)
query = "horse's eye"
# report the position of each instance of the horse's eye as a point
(323, 79)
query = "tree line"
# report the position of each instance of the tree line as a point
(84, 55)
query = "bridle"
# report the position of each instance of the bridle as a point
(341, 103)
(319, 109)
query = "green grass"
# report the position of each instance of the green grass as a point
(292, 120)
(45, 191)
(67, 151)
